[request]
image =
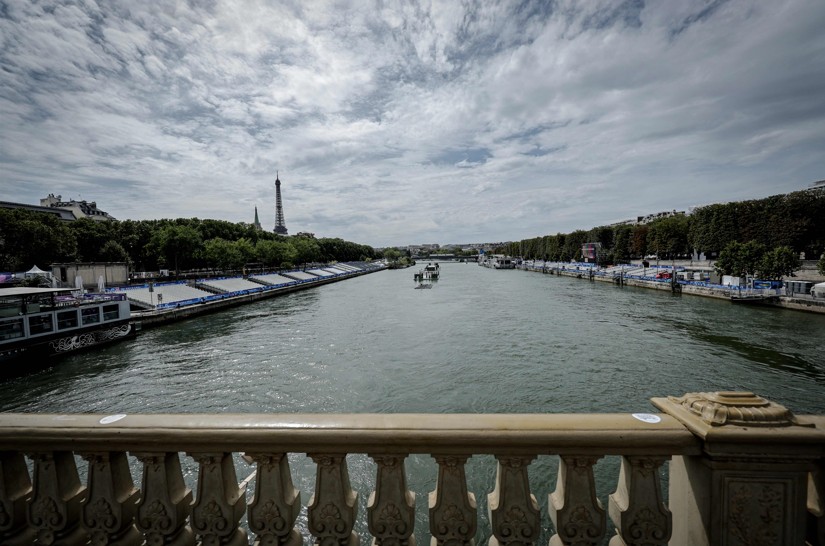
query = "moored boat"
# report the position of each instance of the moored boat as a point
(39, 324)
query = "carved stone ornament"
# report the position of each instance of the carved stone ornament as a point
(219, 503)
(165, 501)
(276, 504)
(637, 507)
(743, 409)
(452, 508)
(109, 512)
(58, 494)
(514, 512)
(332, 509)
(575, 510)
(756, 513)
(391, 507)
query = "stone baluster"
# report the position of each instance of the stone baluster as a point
(165, 502)
(276, 504)
(816, 504)
(636, 508)
(514, 512)
(332, 509)
(55, 506)
(452, 508)
(220, 502)
(391, 507)
(576, 512)
(15, 493)
(109, 513)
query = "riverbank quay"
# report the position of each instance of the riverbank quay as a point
(212, 295)
(666, 277)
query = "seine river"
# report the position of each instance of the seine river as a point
(480, 340)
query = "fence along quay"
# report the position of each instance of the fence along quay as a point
(743, 470)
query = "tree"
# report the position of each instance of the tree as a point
(739, 259)
(222, 254)
(112, 251)
(780, 262)
(178, 245)
(306, 249)
(821, 265)
(274, 253)
(28, 238)
(90, 235)
(392, 254)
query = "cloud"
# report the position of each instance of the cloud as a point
(404, 122)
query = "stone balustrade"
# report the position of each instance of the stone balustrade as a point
(742, 471)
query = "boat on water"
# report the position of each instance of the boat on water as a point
(429, 273)
(39, 324)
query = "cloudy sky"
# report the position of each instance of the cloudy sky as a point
(409, 122)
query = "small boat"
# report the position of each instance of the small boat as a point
(429, 273)
(38, 324)
(751, 298)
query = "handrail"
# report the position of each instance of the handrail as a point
(607, 434)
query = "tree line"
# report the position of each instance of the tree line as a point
(28, 238)
(795, 221)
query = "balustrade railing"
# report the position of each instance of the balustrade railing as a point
(742, 471)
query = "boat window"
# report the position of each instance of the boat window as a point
(111, 312)
(40, 324)
(66, 319)
(11, 328)
(91, 315)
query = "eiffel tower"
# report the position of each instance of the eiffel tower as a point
(280, 226)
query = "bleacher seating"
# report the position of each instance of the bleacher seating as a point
(169, 294)
(320, 272)
(300, 275)
(272, 279)
(230, 285)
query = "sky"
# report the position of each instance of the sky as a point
(395, 123)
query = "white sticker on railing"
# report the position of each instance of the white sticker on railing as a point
(112, 418)
(647, 417)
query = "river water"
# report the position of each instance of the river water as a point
(480, 340)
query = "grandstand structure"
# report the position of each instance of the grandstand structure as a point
(174, 295)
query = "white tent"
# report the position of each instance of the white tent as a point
(37, 272)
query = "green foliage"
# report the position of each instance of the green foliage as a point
(112, 251)
(274, 253)
(780, 262)
(667, 237)
(29, 238)
(177, 245)
(821, 265)
(739, 259)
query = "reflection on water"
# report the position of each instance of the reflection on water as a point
(479, 340)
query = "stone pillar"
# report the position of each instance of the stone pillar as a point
(333, 508)
(575, 510)
(749, 485)
(15, 494)
(391, 507)
(514, 512)
(275, 507)
(55, 507)
(452, 508)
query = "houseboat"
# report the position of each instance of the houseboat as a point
(39, 324)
